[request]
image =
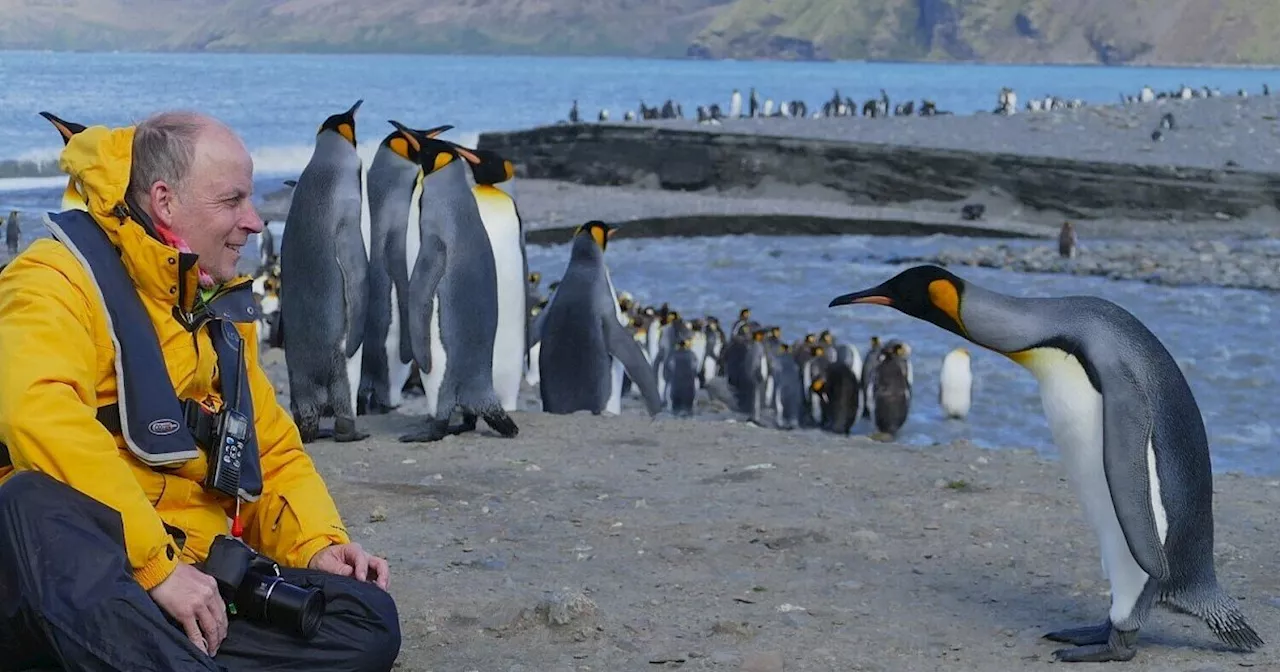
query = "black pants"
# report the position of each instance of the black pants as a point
(68, 599)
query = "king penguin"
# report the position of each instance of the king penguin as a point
(506, 238)
(955, 384)
(1131, 438)
(72, 199)
(393, 181)
(582, 340)
(453, 299)
(324, 282)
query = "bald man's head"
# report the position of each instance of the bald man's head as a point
(164, 149)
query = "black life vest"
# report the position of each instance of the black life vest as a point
(158, 428)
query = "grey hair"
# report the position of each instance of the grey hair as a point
(164, 147)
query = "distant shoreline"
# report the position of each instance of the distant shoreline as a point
(658, 57)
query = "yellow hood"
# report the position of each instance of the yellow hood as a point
(98, 160)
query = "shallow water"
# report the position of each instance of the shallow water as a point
(1220, 337)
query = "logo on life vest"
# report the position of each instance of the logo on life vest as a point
(163, 427)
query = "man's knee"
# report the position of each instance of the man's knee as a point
(372, 623)
(33, 490)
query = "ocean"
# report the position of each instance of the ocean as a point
(277, 101)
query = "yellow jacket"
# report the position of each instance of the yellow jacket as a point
(57, 366)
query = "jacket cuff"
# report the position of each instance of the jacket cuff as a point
(159, 567)
(308, 550)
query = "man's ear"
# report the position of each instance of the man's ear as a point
(160, 203)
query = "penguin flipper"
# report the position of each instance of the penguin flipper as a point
(622, 346)
(427, 273)
(354, 263)
(1127, 425)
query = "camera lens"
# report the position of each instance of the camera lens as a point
(289, 607)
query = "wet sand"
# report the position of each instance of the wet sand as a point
(625, 543)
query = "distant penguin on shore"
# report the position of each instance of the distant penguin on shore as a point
(1067, 240)
(869, 374)
(837, 391)
(12, 233)
(955, 384)
(681, 377)
(890, 394)
(581, 339)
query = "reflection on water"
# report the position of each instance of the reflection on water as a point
(1220, 337)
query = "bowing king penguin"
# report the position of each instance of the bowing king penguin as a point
(1131, 437)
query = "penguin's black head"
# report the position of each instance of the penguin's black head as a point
(535, 277)
(65, 128)
(343, 124)
(492, 168)
(405, 141)
(599, 232)
(929, 293)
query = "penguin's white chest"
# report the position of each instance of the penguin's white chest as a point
(439, 362)
(1074, 411)
(503, 228)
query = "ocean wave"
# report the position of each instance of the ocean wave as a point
(39, 168)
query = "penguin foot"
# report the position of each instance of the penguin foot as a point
(501, 423)
(433, 431)
(468, 424)
(1118, 649)
(1082, 636)
(344, 431)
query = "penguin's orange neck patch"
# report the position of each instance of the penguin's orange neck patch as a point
(400, 146)
(943, 294)
(347, 131)
(598, 235)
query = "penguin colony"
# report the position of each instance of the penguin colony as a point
(1120, 410)
(412, 279)
(881, 106)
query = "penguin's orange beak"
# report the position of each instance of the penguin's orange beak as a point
(861, 297)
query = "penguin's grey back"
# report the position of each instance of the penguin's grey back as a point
(467, 296)
(392, 180)
(682, 376)
(327, 199)
(891, 391)
(788, 386)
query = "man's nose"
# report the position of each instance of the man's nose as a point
(252, 222)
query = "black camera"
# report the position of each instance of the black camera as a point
(251, 584)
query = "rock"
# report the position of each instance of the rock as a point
(563, 608)
(685, 158)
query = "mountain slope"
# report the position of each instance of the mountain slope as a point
(1080, 31)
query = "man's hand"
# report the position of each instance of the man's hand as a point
(191, 597)
(351, 560)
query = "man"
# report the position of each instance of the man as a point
(106, 514)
